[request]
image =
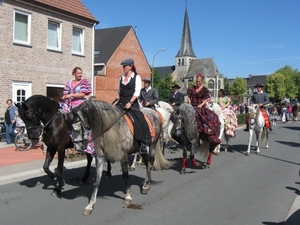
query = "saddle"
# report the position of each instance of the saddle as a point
(129, 121)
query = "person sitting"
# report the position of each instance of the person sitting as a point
(261, 99)
(176, 97)
(149, 95)
(230, 118)
(207, 121)
(129, 90)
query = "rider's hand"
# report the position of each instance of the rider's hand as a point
(128, 105)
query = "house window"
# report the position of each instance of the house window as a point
(22, 26)
(21, 91)
(54, 35)
(77, 41)
(182, 62)
(178, 62)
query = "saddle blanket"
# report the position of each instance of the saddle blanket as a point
(131, 127)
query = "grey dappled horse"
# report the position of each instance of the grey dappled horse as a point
(113, 140)
(257, 125)
(186, 133)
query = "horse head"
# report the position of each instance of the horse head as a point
(32, 119)
(178, 121)
(254, 112)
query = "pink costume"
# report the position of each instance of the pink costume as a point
(83, 86)
(230, 119)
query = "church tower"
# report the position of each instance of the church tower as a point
(186, 54)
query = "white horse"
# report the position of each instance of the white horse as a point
(216, 108)
(165, 110)
(257, 124)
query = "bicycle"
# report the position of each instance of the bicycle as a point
(22, 142)
(2, 130)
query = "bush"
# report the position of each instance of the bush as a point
(241, 118)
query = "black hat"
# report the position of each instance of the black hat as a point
(127, 62)
(259, 85)
(176, 86)
(147, 79)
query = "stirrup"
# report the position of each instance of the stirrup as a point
(144, 149)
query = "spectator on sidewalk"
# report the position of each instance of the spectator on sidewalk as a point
(10, 121)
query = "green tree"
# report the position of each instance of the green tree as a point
(238, 87)
(165, 87)
(294, 75)
(275, 86)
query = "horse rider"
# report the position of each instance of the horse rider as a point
(129, 90)
(176, 97)
(261, 99)
(149, 95)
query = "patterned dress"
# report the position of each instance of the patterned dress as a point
(207, 121)
(83, 86)
(229, 116)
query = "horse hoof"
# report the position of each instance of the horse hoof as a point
(87, 212)
(145, 190)
(127, 201)
(257, 153)
(56, 192)
(131, 168)
(182, 172)
(247, 153)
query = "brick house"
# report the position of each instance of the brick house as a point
(112, 46)
(43, 41)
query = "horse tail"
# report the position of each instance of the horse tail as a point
(160, 162)
(203, 149)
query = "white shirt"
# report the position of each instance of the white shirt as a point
(138, 84)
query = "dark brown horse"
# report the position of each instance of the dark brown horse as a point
(39, 111)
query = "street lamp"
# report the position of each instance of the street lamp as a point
(152, 78)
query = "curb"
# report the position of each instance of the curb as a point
(7, 179)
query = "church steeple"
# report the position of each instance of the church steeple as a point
(186, 54)
(186, 48)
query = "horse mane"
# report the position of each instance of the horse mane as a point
(44, 99)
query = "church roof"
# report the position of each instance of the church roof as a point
(186, 48)
(205, 66)
(163, 71)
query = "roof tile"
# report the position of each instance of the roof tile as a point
(74, 7)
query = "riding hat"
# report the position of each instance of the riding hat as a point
(127, 62)
(176, 86)
(147, 79)
(259, 85)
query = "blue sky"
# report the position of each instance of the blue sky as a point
(243, 36)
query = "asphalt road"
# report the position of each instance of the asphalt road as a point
(236, 190)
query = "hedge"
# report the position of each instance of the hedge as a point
(241, 118)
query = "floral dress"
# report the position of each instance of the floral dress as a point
(229, 116)
(83, 86)
(207, 121)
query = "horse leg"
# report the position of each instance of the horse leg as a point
(267, 138)
(192, 156)
(49, 157)
(99, 169)
(59, 170)
(149, 160)
(87, 169)
(124, 166)
(108, 170)
(258, 139)
(249, 140)
(227, 139)
(184, 159)
(132, 167)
